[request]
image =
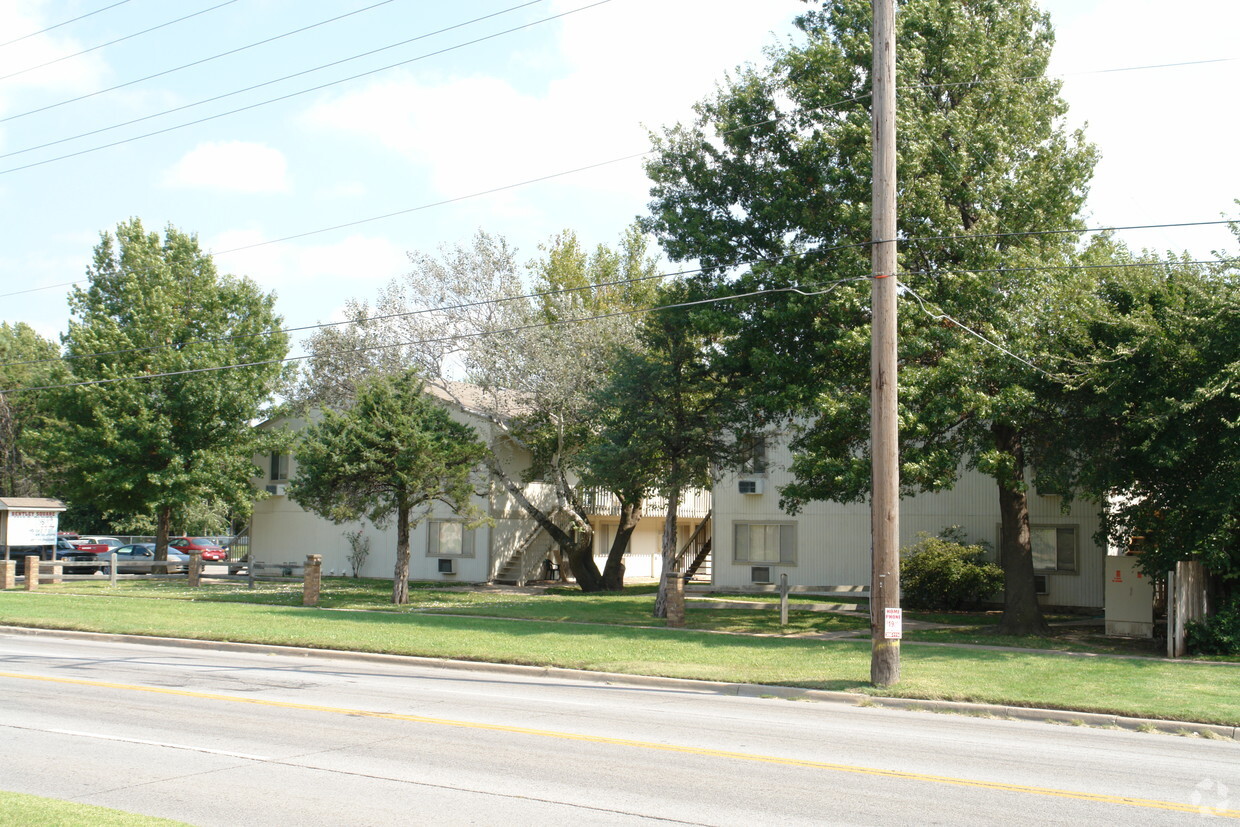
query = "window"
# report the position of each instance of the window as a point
(765, 543)
(449, 538)
(279, 467)
(755, 455)
(1054, 548)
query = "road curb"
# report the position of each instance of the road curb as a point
(748, 690)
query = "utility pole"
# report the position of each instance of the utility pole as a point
(884, 428)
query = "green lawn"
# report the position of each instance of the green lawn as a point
(609, 633)
(33, 811)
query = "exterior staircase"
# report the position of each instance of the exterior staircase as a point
(524, 562)
(695, 557)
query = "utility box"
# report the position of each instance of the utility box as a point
(1129, 599)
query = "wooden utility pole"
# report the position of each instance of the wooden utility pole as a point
(884, 428)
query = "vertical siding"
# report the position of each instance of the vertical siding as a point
(833, 539)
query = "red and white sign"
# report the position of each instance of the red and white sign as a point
(893, 624)
(32, 528)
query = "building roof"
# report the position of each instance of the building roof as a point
(30, 504)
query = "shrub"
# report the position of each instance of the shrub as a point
(359, 550)
(945, 573)
(1219, 634)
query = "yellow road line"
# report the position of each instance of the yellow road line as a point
(650, 745)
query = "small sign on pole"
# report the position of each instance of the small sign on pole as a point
(893, 624)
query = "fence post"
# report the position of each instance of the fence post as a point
(249, 570)
(195, 569)
(312, 580)
(32, 572)
(783, 599)
(112, 570)
(8, 574)
(58, 570)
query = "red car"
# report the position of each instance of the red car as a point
(212, 552)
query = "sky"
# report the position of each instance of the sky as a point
(559, 90)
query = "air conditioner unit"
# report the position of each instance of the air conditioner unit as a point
(447, 565)
(1039, 584)
(750, 486)
(277, 490)
(760, 574)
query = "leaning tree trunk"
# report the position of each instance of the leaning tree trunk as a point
(400, 577)
(1021, 613)
(580, 553)
(669, 551)
(613, 571)
(163, 527)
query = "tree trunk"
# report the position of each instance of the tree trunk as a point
(400, 577)
(613, 571)
(581, 563)
(163, 527)
(1021, 613)
(669, 551)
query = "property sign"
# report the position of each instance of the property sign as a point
(893, 624)
(32, 528)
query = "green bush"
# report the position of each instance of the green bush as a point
(944, 573)
(1219, 634)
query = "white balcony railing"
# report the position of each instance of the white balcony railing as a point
(694, 503)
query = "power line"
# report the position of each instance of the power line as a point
(279, 98)
(196, 62)
(444, 339)
(118, 40)
(62, 23)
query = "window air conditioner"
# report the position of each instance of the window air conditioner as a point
(277, 490)
(750, 486)
(760, 574)
(447, 565)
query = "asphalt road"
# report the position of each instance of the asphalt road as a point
(263, 737)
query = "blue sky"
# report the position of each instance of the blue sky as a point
(557, 95)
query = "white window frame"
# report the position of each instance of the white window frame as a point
(1067, 550)
(435, 539)
(279, 466)
(743, 534)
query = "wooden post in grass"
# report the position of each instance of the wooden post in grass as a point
(8, 574)
(58, 570)
(312, 582)
(783, 599)
(675, 597)
(32, 572)
(195, 569)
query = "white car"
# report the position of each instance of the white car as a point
(111, 542)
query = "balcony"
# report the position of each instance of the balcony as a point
(694, 504)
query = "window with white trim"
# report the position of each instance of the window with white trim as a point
(1054, 548)
(449, 538)
(755, 455)
(279, 467)
(773, 543)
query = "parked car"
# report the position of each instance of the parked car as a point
(144, 553)
(212, 552)
(93, 539)
(63, 550)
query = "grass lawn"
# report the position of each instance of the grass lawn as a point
(611, 633)
(33, 811)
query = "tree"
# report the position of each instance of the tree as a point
(26, 360)
(172, 363)
(668, 419)
(1150, 416)
(774, 174)
(529, 360)
(392, 452)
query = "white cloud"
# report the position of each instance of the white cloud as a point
(231, 166)
(621, 70)
(353, 266)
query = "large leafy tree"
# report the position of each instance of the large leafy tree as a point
(27, 360)
(392, 452)
(530, 344)
(669, 419)
(171, 363)
(1151, 415)
(774, 175)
